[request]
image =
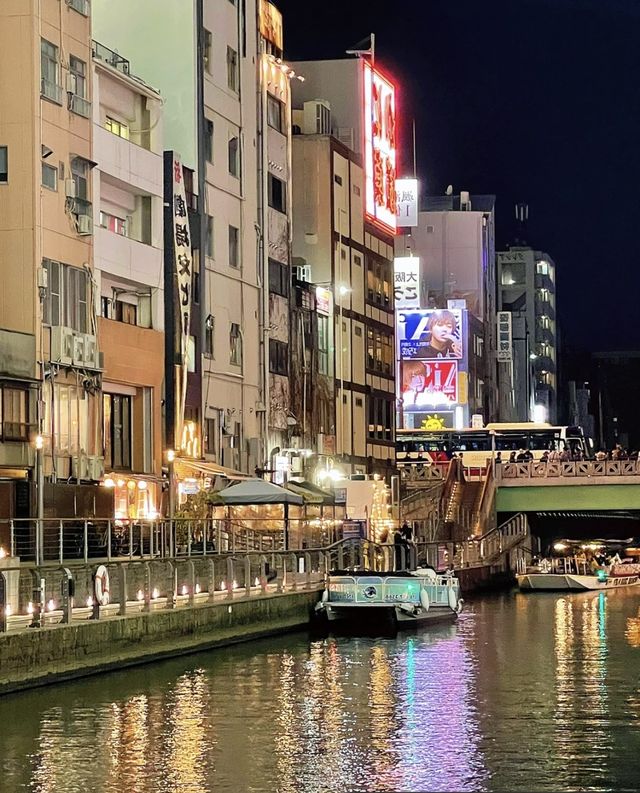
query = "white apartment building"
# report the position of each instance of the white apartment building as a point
(128, 269)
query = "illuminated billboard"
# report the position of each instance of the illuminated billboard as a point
(430, 333)
(380, 149)
(407, 198)
(429, 383)
(406, 281)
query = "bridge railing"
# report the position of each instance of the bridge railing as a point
(577, 469)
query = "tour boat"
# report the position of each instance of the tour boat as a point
(398, 600)
(569, 575)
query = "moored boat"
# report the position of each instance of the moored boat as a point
(399, 600)
(575, 574)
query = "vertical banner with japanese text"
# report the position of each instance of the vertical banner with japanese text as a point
(184, 268)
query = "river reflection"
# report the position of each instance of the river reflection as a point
(536, 692)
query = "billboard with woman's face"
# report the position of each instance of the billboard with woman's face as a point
(429, 334)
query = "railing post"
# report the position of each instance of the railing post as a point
(61, 544)
(130, 540)
(230, 577)
(247, 575)
(12, 539)
(109, 539)
(282, 583)
(307, 569)
(122, 572)
(68, 586)
(263, 574)
(86, 542)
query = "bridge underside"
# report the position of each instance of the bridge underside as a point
(550, 527)
(568, 498)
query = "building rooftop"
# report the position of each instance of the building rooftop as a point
(117, 62)
(451, 203)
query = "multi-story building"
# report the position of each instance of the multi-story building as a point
(454, 242)
(343, 227)
(49, 357)
(128, 267)
(226, 112)
(526, 289)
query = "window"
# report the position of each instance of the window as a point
(49, 72)
(210, 437)
(235, 345)
(195, 278)
(232, 69)
(113, 223)
(208, 140)
(206, 55)
(323, 345)
(4, 164)
(209, 330)
(278, 278)
(275, 113)
(379, 351)
(337, 179)
(542, 267)
(117, 431)
(79, 174)
(233, 157)
(67, 299)
(234, 236)
(49, 176)
(117, 128)
(15, 414)
(105, 307)
(209, 241)
(78, 69)
(126, 312)
(277, 194)
(278, 357)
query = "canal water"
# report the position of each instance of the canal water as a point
(526, 692)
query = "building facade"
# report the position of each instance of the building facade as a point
(340, 248)
(454, 242)
(50, 360)
(128, 266)
(526, 289)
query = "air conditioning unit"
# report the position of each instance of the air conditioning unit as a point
(71, 84)
(62, 347)
(316, 117)
(80, 467)
(69, 188)
(85, 225)
(95, 468)
(78, 349)
(91, 354)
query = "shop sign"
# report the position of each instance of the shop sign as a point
(407, 197)
(380, 149)
(406, 281)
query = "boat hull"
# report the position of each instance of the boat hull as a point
(368, 617)
(560, 582)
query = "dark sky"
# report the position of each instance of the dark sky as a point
(532, 100)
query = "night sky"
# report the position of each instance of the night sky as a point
(531, 100)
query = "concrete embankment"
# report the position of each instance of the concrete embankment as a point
(38, 657)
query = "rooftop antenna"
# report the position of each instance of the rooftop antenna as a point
(367, 46)
(522, 216)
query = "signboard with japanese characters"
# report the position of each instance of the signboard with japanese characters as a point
(182, 254)
(323, 300)
(380, 149)
(504, 336)
(407, 197)
(406, 282)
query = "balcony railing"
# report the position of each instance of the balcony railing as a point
(111, 57)
(80, 105)
(51, 91)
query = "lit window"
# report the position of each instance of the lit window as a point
(117, 128)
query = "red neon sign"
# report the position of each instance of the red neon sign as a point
(380, 148)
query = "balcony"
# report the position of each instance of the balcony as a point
(51, 91)
(81, 6)
(79, 105)
(127, 258)
(131, 165)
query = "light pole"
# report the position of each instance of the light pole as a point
(39, 444)
(171, 457)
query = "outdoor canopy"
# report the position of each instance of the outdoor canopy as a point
(257, 491)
